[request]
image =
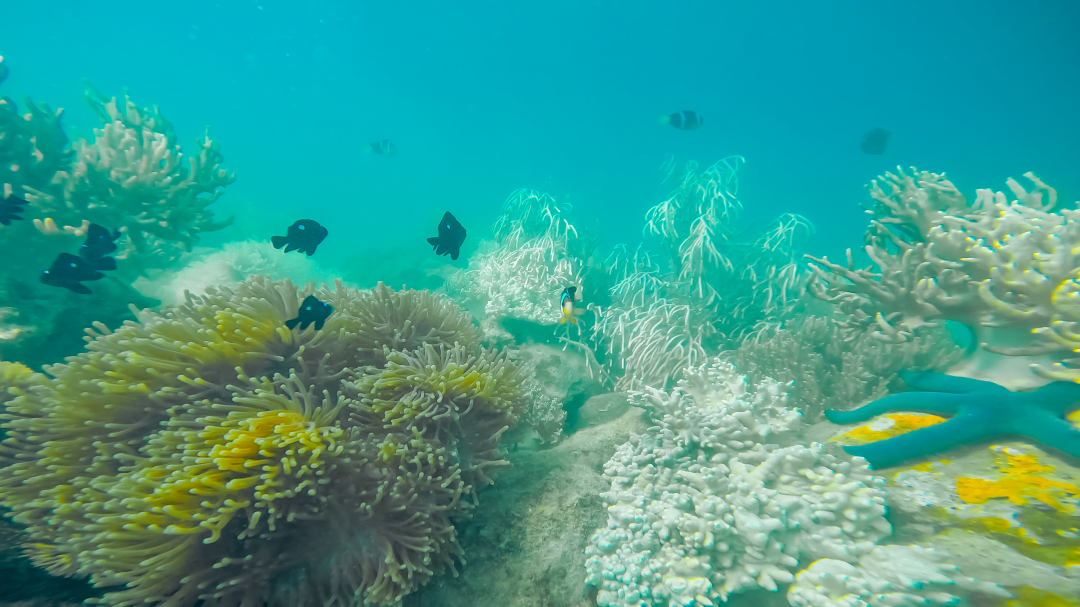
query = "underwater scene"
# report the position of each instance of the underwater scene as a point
(539, 304)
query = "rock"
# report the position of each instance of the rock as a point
(525, 545)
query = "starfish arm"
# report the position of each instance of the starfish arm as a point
(1058, 396)
(927, 381)
(926, 402)
(1050, 430)
(920, 443)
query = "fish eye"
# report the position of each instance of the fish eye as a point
(301, 227)
(447, 226)
(72, 265)
(308, 308)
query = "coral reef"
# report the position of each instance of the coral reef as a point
(718, 498)
(900, 576)
(227, 266)
(828, 369)
(1006, 269)
(718, 284)
(980, 411)
(133, 178)
(209, 455)
(537, 253)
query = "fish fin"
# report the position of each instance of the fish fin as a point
(433, 241)
(292, 247)
(454, 253)
(279, 241)
(105, 264)
(665, 120)
(291, 324)
(311, 251)
(80, 288)
(562, 320)
(319, 324)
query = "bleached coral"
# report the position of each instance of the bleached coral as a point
(1006, 269)
(538, 254)
(889, 576)
(718, 498)
(227, 266)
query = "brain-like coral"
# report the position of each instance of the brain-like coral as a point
(210, 456)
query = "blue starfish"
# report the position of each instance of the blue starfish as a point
(980, 411)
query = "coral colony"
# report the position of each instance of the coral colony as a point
(241, 441)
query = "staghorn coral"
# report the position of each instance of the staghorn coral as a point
(1006, 269)
(208, 455)
(132, 178)
(718, 498)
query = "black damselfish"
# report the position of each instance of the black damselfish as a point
(70, 271)
(451, 235)
(303, 236)
(99, 243)
(311, 311)
(875, 141)
(686, 120)
(10, 209)
(383, 147)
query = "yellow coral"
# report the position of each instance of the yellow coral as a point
(1021, 482)
(901, 424)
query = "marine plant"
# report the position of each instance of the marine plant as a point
(716, 284)
(208, 455)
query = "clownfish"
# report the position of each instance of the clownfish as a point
(566, 303)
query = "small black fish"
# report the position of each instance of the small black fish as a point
(10, 209)
(382, 147)
(69, 271)
(99, 243)
(686, 120)
(875, 141)
(451, 235)
(311, 311)
(303, 236)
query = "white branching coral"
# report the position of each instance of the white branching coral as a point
(717, 498)
(896, 576)
(132, 177)
(1007, 269)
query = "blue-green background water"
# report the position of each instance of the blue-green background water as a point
(485, 97)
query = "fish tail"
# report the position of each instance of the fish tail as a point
(279, 241)
(665, 120)
(434, 241)
(291, 324)
(105, 264)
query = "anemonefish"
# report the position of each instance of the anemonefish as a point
(686, 120)
(566, 302)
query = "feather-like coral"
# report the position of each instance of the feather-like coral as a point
(209, 455)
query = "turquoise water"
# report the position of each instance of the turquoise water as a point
(538, 126)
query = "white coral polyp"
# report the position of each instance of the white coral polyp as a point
(717, 499)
